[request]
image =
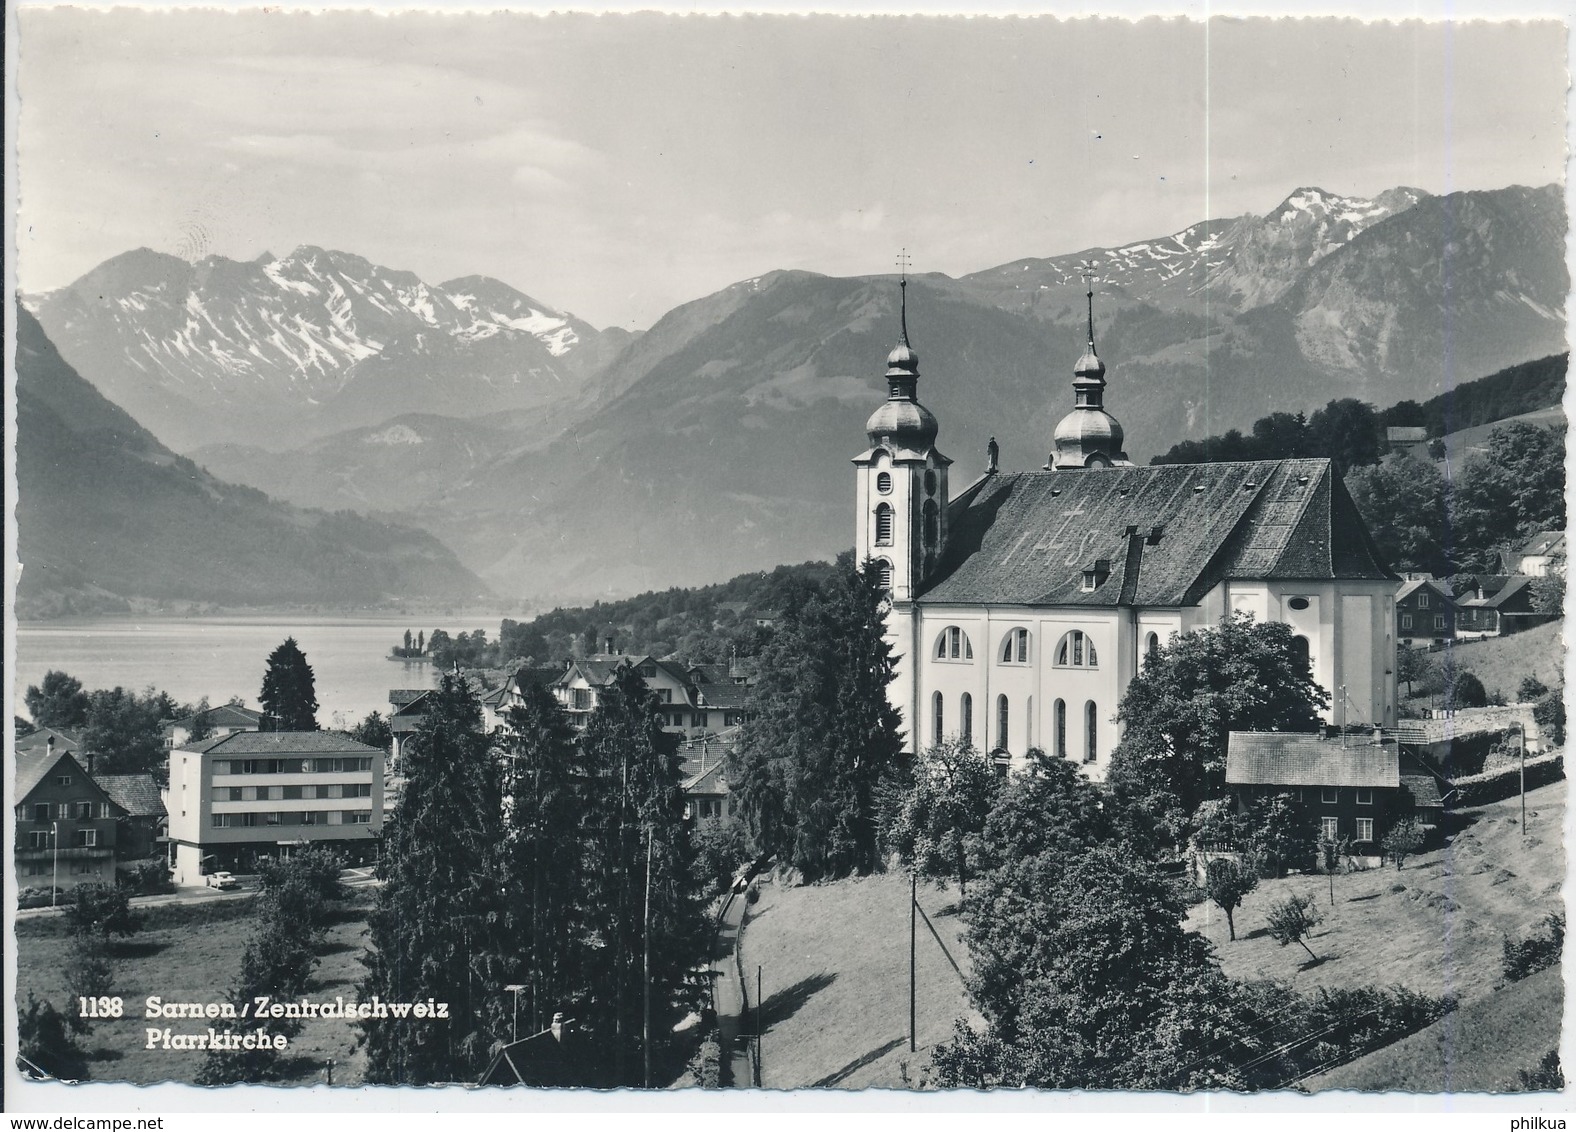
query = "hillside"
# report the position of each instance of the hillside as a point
(107, 514)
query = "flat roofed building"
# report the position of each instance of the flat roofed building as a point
(257, 794)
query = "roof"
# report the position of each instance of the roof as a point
(1406, 434)
(709, 781)
(39, 740)
(1409, 588)
(401, 697)
(1169, 533)
(728, 697)
(137, 794)
(1545, 542)
(598, 669)
(1282, 758)
(542, 1060)
(709, 673)
(282, 743)
(539, 677)
(1508, 589)
(1424, 790)
(33, 766)
(225, 715)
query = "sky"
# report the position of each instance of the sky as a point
(617, 166)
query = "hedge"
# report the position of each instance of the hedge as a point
(1475, 789)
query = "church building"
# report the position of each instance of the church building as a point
(1021, 605)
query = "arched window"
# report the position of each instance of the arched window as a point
(1002, 719)
(884, 525)
(1015, 647)
(966, 718)
(1152, 646)
(935, 710)
(884, 574)
(1089, 732)
(1076, 650)
(1299, 649)
(930, 483)
(884, 482)
(928, 523)
(1061, 729)
(954, 644)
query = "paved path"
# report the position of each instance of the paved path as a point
(734, 1027)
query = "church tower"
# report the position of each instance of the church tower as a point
(901, 479)
(1088, 437)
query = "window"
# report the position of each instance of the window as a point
(1406, 620)
(1076, 651)
(884, 574)
(1422, 600)
(1300, 650)
(930, 482)
(103, 810)
(1439, 620)
(884, 525)
(38, 839)
(1330, 828)
(359, 817)
(222, 793)
(1298, 603)
(966, 718)
(665, 695)
(222, 821)
(884, 482)
(1365, 829)
(292, 793)
(271, 818)
(930, 523)
(1003, 718)
(85, 838)
(1061, 728)
(63, 811)
(954, 644)
(1015, 649)
(1329, 794)
(936, 715)
(40, 811)
(1152, 646)
(1090, 724)
(62, 780)
(1365, 797)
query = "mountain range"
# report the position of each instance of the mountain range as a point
(717, 441)
(108, 517)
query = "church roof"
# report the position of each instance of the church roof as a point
(1279, 758)
(1159, 536)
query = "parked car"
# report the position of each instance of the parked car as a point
(223, 880)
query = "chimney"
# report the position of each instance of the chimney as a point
(558, 1026)
(90, 763)
(49, 747)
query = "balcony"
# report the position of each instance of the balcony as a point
(67, 853)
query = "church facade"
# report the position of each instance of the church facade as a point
(1021, 605)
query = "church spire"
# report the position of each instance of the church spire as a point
(1088, 437)
(902, 420)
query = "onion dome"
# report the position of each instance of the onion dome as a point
(1088, 437)
(902, 421)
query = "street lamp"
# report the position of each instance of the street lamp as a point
(515, 1028)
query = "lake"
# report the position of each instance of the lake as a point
(220, 657)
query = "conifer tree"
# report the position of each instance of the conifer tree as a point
(634, 813)
(289, 694)
(437, 929)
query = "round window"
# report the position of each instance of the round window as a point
(1298, 603)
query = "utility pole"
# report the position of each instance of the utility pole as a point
(758, 1077)
(913, 908)
(645, 1031)
(514, 1030)
(1521, 730)
(330, 1072)
(54, 884)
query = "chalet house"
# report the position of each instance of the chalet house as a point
(407, 708)
(1407, 440)
(141, 833)
(707, 801)
(1425, 613)
(226, 719)
(1347, 786)
(496, 704)
(688, 705)
(66, 823)
(1496, 605)
(1539, 553)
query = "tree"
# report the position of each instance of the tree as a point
(637, 843)
(1332, 852)
(1515, 488)
(421, 641)
(1227, 882)
(102, 910)
(89, 974)
(407, 642)
(1549, 713)
(808, 765)
(1292, 921)
(289, 694)
(940, 821)
(1402, 841)
(1052, 808)
(1279, 835)
(544, 855)
(1465, 690)
(1531, 689)
(1412, 666)
(202, 725)
(374, 731)
(58, 701)
(1239, 676)
(436, 928)
(125, 733)
(1406, 505)
(1347, 431)
(1548, 590)
(44, 1040)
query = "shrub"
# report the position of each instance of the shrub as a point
(1475, 789)
(1536, 952)
(1292, 920)
(1546, 1078)
(1550, 714)
(1466, 690)
(706, 1065)
(720, 851)
(1531, 689)
(1404, 839)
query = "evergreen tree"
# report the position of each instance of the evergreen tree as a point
(1515, 488)
(45, 1041)
(289, 695)
(544, 859)
(634, 812)
(807, 770)
(436, 930)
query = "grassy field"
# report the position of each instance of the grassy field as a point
(1436, 926)
(1481, 1048)
(193, 955)
(1472, 441)
(1501, 662)
(834, 962)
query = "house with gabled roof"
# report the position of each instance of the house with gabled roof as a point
(142, 821)
(1543, 550)
(579, 687)
(66, 823)
(1022, 605)
(1496, 605)
(226, 719)
(1425, 613)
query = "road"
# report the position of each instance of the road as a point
(200, 894)
(735, 1029)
